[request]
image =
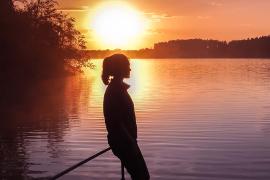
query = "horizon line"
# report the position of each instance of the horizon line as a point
(205, 39)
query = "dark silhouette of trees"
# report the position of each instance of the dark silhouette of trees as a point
(197, 48)
(38, 41)
(190, 48)
(250, 48)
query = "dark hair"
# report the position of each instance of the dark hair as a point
(113, 66)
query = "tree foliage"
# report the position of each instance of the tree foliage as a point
(198, 48)
(38, 40)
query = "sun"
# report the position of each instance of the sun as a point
(117, 25)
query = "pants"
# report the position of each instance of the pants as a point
(131, 157)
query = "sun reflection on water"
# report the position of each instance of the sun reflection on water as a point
(140, 78)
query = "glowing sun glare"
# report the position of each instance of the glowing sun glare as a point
(117, 26)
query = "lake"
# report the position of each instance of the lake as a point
(198, 119)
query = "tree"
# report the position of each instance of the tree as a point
(38, 40)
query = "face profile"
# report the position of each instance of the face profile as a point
(115, 67)
(127, 71)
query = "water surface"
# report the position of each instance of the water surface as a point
(198, 119)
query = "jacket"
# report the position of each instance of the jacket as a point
(118, 109)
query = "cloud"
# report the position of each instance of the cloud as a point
(153, 31)
(203, 17)
(216, 4)
(245, 25)
(158, 17)
(74, 9)
(85, 31)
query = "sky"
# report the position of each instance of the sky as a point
(180, 19)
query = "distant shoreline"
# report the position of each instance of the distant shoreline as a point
(153, 58)
(258, 47)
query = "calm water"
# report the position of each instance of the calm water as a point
(197, 119)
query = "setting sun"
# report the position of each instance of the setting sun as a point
(117, 26)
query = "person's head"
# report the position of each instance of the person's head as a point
(116, 66)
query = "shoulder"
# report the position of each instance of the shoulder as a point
(113, 93)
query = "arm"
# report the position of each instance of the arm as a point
(115, 114)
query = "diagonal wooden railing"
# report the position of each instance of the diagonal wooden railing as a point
(83, 162)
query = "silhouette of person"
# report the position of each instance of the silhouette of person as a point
(120, 117)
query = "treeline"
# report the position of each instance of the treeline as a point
(198, 48)
(37, 41)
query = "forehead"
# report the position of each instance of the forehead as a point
(126, 62)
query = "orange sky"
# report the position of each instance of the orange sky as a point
(182, 19)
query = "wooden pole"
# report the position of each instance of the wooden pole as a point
(122, 171)
(79, 164)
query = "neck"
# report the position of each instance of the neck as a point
(118, 79)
